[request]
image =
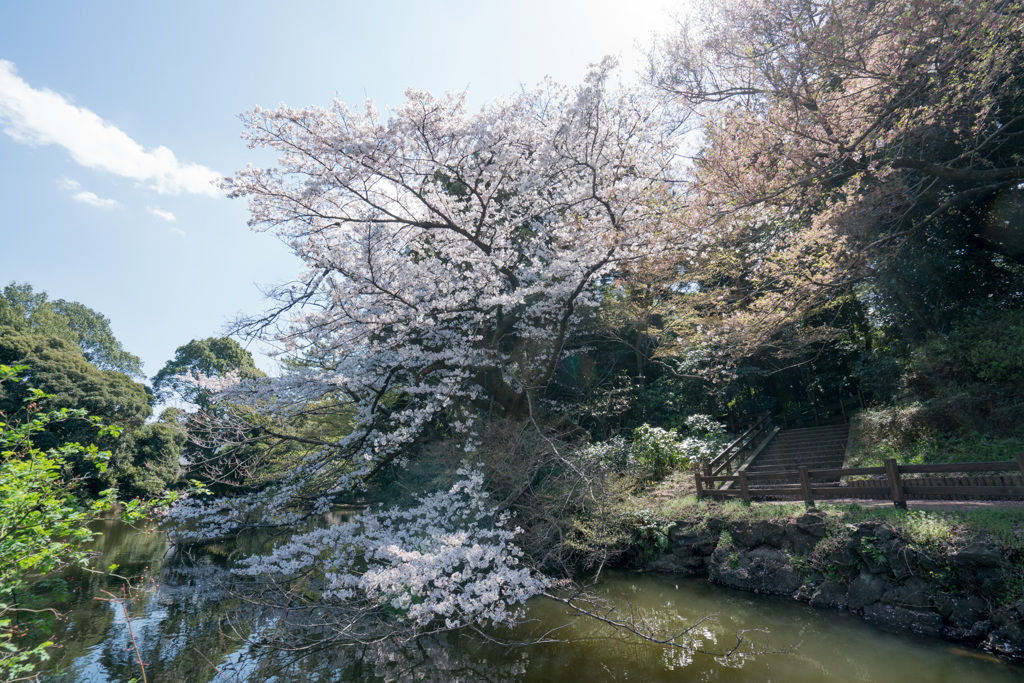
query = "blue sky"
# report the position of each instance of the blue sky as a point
(114, 115)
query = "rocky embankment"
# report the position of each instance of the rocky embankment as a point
(964, 594)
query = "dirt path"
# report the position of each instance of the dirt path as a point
(936, 505)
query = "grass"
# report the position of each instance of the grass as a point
(939, 449)
(939, 532)
(923, 528)
(689, 509)
(934, 528)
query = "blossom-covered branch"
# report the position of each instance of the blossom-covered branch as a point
(449, 257)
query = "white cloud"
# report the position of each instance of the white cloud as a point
(177, 231)
(161, 213)
(92, 199)
(86, 197)
(42, 117)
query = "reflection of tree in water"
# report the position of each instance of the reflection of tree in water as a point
(204, 624)
(439, 658)
(200, 618)
(323, 644)
(195, 623)
(176, 620)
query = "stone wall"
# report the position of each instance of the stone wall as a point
(865, 568)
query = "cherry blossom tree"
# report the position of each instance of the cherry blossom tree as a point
(448, 256)
(834, 131)
(433, 563)
(449, 261)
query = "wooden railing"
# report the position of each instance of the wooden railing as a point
(729, 458)
(891, 485)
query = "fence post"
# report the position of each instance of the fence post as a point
(700, 485)
(805, 486)
(744, 490)
(899, 499)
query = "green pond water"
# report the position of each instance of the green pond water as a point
(191, 627)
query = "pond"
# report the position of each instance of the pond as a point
(190, 627)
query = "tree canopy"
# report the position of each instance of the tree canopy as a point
(28, 311)
(452, 263)
(210, 357)
(58, 368)
(838, 135)
(450, 258)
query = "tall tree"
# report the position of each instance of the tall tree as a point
(835, 133)
(450, 257)
(210, 357)
(30, 311)
(70, 382)
(452, 261)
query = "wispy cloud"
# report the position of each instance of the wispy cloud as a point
(160, 213)
(92, 199)
(177, 231)
(69, 184)
(42, 117)
(86, 197)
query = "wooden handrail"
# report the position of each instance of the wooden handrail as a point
(835, 473)
(897, 487)
(732, 451)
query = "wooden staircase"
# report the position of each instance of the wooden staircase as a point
(819, 448)
(748, 463)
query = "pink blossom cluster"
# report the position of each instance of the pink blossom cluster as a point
(450, 259)
(450, 558)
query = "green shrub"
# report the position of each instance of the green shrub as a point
(650, 535)
(659, 450)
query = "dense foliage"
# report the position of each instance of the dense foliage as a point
(849, 147)
(209, 357)
(68, 352)
(34, 313)
(69, 381)
(42, 522)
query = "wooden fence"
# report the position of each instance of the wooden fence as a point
(886, 483)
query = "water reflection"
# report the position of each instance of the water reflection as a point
(192, 625)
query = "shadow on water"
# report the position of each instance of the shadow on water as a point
(192, 626)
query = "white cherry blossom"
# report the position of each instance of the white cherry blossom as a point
(449, 260)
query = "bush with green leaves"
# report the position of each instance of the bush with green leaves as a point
(660, 450)
(614, 454)
(650, 536)
(43, 523)
(702, 425)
